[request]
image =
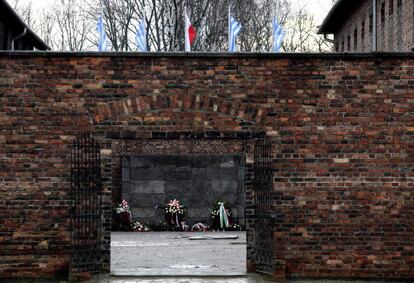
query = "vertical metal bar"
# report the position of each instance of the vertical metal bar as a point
(262, 185)
(72, 195)
(99, 201)
(374, 25)
(82, 202)
(85, 219)
(87, 198)
(78, 183)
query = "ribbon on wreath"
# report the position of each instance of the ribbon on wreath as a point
(177, 223)
(175, 203)
(224, 220)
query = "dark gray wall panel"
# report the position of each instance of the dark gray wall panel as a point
(196, 180)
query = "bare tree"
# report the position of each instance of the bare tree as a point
(73, 26)
(46, 28)
(301, 33)
(25, 11)
(211, 24)
(119, 19)
(257, 30)
(70, 27)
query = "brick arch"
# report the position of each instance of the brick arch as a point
(182, 102)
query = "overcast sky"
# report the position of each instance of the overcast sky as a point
(319, 8)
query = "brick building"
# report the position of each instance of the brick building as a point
(15, 34)
(341, 199)
(356, 29)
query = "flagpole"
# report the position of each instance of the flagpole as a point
(229, 27)
(145, 29)
(186, 47)
(273, 33)
(185, 28)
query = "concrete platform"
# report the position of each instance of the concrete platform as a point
(174, 254)
(243, 279)
(250, 278)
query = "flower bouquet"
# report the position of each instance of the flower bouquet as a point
(124, 216)
(174, 213)
(200, 227)
(139, 227)
(220, 216)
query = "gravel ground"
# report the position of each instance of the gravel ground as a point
(174, 254)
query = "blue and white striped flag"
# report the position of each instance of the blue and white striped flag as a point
(102, 40)
(278, 35)
(141, 36)
(234, 29)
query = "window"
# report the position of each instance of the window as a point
(399, 26)
(343, 45)
(382, 12)
(356, 39)
(363, 31)
(371, 23)
(348, 44)
(391, 8)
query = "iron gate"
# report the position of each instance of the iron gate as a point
(262, 185)
(86, 187)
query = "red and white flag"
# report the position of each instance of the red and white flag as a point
(190, 33)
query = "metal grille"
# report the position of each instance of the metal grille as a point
(86, 187)
(262, 185)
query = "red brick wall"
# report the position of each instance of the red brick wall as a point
(394, 33)
(344, 174)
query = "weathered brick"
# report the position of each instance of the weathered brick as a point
(343, 202)
(395, 28)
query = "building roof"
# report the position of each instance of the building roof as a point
(8, 15)
(338, 15)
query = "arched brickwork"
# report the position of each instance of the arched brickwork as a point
(235, 125)
(114, 110)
